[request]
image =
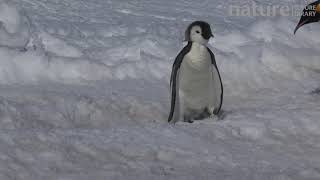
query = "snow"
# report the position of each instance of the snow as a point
(14, 28)
(58, 47)
(10, 17)
(84, 93)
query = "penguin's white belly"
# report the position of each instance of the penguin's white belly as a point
(196, 78)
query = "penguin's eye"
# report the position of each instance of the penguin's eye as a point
(197, 32)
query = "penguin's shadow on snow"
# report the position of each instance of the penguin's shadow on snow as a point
(315, 92)
(222, 114)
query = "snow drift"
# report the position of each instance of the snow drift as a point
(14, 28)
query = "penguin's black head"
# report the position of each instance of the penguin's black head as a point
(198, 31)
(310, 14)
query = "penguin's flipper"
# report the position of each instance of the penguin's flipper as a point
(175, 100)
(217, 85)
(174, 84)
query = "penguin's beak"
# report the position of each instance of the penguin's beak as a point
(300, 24)
(310, 14)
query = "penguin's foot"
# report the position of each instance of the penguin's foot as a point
(190, 121)
(196, 115)
(187, 118)
(205, 114)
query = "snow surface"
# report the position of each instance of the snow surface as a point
(84, 93)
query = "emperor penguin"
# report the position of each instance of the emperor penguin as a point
(195, 83)
(310, 14)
